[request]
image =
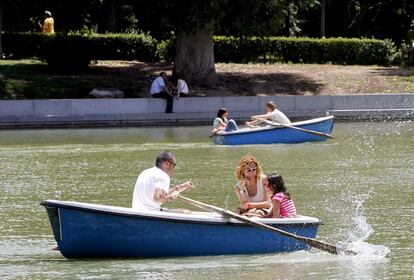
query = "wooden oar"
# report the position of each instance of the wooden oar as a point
(321, 134)
(309, 241)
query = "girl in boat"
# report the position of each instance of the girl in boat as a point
(254, 199)
(282, 202)
(221, 123)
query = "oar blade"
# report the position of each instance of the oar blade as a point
(332, 249)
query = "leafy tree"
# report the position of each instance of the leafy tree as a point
(370, 18)
(193, 23)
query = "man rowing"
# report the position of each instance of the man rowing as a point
(272, 114)
(153, 184)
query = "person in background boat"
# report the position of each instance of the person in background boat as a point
(272, 114)
(254, 199)
(282, 202)
(221, 123)
(153, 185)
(159, 89)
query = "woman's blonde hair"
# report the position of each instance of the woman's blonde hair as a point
(244, 163)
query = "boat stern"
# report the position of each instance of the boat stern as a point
(54, 219)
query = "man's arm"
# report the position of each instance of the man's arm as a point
(258, 119)
(161, 195)
(182, 187)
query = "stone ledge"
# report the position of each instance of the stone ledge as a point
(162, 119)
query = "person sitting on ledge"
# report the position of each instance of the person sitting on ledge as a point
(273, 114)
(222, 124)
(160, 90)
(182, 89)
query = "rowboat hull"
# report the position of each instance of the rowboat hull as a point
(275, 134)
(84, 230)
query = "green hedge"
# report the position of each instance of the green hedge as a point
(304, 50)
(64, 50)
(76, 50)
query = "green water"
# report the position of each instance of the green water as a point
(360, 184)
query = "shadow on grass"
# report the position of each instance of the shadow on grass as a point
(35, 80)
(228, 83)
(395, 71)
(268, 84)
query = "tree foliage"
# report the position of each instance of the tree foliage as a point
(348, 18)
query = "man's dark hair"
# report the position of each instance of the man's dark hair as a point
(163, 156)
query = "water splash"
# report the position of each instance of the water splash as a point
(359, 229)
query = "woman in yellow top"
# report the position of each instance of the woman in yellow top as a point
(48, 26)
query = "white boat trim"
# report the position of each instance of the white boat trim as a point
(194, 216)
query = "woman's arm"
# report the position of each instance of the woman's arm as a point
(244, 201)
(263, 204)
(218, 125)
(241, 195)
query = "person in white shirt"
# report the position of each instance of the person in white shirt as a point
(273, 114)
(152, 187)
(160, 90)
(182, 89)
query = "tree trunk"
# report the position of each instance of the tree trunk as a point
(323, 17)
(194, 58)
(1, 30)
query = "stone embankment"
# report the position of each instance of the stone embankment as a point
(198, 110)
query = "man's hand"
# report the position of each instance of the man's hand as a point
(186, 185)
(174, 194)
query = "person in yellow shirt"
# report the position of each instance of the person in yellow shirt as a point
(48, 26)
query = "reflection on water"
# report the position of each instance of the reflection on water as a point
(360, 185)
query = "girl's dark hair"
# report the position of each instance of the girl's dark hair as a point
(277, 184)
(221, 112)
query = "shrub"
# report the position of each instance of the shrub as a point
(304, 50)
(75, 50)
(131, 46)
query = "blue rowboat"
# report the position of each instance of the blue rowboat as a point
(84, 230)
(277, 134)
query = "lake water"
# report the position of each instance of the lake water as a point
(361, 185)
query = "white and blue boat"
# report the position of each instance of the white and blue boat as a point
(84, 230)
(272, 134)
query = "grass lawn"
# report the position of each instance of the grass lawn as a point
(31, 79)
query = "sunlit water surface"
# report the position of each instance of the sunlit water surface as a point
(360, 184)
